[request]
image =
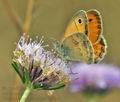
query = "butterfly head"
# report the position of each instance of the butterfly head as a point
(61, 50)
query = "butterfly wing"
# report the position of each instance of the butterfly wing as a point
(100, 49)
(95, 28)
(78, 23)
(84, 38)
(80, 48)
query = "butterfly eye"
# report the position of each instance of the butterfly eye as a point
(80, 21)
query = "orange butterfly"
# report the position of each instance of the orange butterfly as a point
(83, 39)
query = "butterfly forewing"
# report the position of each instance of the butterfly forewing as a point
(95, 28)
(77, 24)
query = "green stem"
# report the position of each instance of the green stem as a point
(92, 97)
(92, 100)
(25, 94)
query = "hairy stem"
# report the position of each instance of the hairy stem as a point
(25, 95)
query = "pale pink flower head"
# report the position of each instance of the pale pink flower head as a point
(37, 67)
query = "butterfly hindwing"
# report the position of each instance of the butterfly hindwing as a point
(100, 49)
(80, 48)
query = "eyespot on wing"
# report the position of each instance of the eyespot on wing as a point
(78, 24)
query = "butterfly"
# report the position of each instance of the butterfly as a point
(83, 39)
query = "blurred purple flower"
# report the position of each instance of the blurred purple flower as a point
(93, 78)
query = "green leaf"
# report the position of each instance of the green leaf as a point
(56, 87)
(46, 87)
(38, 86)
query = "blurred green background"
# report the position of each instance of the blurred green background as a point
(50, 19)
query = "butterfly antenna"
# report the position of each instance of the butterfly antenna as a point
(71, 71)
